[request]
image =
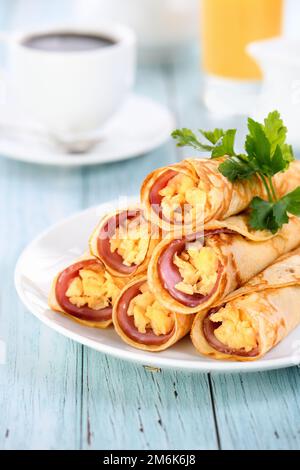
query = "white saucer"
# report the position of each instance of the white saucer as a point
(140, 126)
(59, 246)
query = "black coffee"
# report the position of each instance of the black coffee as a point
(67, 42)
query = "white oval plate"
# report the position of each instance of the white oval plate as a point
(140, 126)
(59, 246)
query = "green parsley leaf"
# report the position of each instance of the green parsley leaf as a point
(278, 162)
(288, 154)
(276, 133)
(265, 145)
(267, 154)
(267, 215)
(235, 168)
(292, 201)
(226, 145)
(275, 130)
(186, 137)
(258, 147)
(213, 136)
(280, 213)
(221, 142)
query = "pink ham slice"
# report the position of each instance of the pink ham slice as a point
(209, 328)
(169, 273)
(154, 197)
(64, 280)
(127, 325)
(114, 260)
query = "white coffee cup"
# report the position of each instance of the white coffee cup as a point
(72, 93)
(164, 28)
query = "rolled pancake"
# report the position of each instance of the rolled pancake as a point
(194, 191)
(124, 241)
(252, 320)
(85, 292)
(143, 323)
(192, 273)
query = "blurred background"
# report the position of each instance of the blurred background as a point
(230, 77)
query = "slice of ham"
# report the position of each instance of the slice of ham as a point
(169, 273)
(209, 328)
(154, 197)
(126, 322)
(114, 260)
(64, 280)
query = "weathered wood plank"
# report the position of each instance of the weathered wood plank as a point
(127, 407)
(40, 384)
(258, 411)
(41, 381)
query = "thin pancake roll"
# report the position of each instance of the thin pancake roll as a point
(124, 241)
(85, 292)
(253, 319)
(194, 192)
(142, 322)
(192, 273)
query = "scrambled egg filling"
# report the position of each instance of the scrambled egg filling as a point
(131, 241)
(148, 313)
(95, 289)
(236, 330)
(182, 198)
(198, 269)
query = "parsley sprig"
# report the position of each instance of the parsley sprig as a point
(266, 154)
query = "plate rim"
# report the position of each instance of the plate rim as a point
(144, 358)
(88, 160)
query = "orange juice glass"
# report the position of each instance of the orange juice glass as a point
(227, 26)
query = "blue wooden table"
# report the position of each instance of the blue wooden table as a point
(56, 394)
